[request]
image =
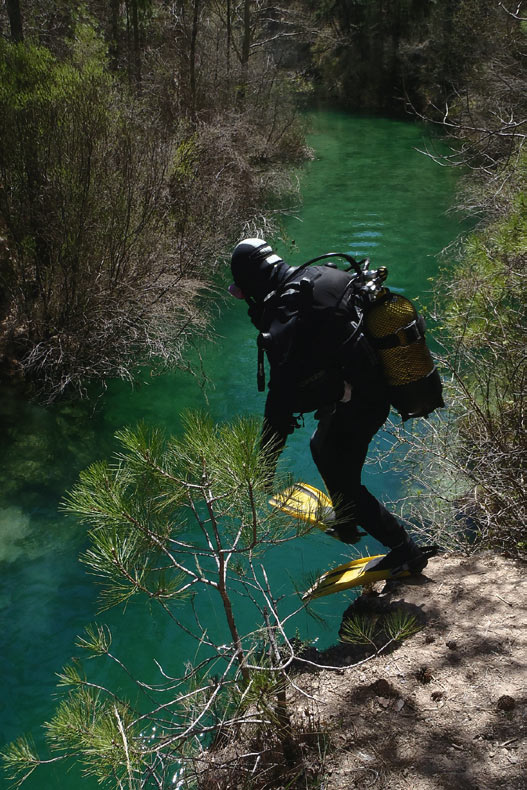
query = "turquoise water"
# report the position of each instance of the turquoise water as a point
(368, 192)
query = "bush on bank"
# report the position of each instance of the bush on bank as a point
(128, 165)
(486, 320)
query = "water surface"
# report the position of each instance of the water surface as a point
(367, 192)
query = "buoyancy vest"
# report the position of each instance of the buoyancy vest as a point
(311, 332)
(322, 326)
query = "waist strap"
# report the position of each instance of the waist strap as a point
(411, 333)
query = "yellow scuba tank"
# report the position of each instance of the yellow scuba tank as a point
(395, 329)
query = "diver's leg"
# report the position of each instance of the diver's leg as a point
(385, 528)
(339, 447)
(329, 458)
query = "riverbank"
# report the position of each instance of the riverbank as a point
(447, 708)
(443, 710)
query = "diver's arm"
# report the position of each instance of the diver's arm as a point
(277, 425)
(272, 440)
(360, 366)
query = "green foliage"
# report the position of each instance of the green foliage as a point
(38, 95)
(138, 507)
(360, 629)
(185, 160)
(71, 675)
(100, 730)
(111, 187)
(379, 631)
(261, 692)
(375, 55)
(79, 206)
(167, 517)
(130, 533)
(20, 759)
(472, 464)
(228, 455)
(399, 625)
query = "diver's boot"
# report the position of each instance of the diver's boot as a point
(406, 556)
(346, 534)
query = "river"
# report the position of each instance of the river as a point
(367, 192)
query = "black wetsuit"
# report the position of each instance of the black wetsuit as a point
(340, 443)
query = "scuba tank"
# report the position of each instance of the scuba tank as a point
(397, 332)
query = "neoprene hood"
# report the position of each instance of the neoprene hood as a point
(256, 269)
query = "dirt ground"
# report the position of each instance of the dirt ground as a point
(447, 708)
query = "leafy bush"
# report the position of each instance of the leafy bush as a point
(469, 467)
(110, 205)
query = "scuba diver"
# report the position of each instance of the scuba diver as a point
(311, 330)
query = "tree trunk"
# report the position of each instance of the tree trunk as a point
(137, 42)
(229, 38)
(192, 57)
(227, 606)
(245, 51)
(114, 33)
(246, 42)
(15, 20)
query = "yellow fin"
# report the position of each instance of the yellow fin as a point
(305, 502)
(356, 573)
(352, 574)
